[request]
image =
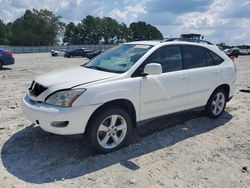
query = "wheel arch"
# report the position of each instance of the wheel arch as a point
(124, 103)
(225, 87)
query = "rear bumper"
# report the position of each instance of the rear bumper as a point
(46, 115)
(232, 91)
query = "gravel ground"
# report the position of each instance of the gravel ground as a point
(183, 150)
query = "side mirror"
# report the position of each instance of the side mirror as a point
(153, 69)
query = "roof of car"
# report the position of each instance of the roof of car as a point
(149, 42)
(154, 43)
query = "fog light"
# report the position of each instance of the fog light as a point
(59, 124)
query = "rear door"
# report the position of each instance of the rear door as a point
(203, 73)
(165, 93)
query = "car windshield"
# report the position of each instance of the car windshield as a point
(119, 59)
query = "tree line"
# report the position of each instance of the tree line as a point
(42, 27)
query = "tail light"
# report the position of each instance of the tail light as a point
(232, 58)
(7, 53)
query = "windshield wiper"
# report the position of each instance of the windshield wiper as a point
(101, 69)
(93, 67)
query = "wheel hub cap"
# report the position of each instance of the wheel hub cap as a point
(218, 103)
(112, 131)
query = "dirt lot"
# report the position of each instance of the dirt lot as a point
(184, 150)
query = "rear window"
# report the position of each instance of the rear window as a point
(196, 56)
(217, 59)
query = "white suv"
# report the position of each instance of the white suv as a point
(133, 82)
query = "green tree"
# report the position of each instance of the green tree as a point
(92, 30)
(89, 29)
(109, 30)
(3, 33)
(36, 28)
(124, 33)
(72, 34)
(143, 31)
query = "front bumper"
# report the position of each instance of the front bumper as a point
(46, 115)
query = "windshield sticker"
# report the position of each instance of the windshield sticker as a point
(142, 46)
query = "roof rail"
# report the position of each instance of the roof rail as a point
(187, 40)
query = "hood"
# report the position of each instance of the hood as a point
(70, 77)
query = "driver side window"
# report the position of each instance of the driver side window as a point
(169, 57)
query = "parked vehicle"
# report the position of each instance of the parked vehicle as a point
(235, 52)
(244, 52)
(60, 52)
(6, 58)
(77, 52)
(91, 55)
(133, 82)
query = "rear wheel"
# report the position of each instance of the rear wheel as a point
(1, 65)
(109, 129)
(216, 104)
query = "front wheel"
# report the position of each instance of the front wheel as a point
(109, 129)
(216, 104)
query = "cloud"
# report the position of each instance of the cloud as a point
(129, 14)
(241, 9)
(219, 20)
(177, 6)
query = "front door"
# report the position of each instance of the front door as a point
(165, 93)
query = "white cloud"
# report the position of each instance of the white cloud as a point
(129, 14)
(218, 20)
(246, 3)
(213, 24)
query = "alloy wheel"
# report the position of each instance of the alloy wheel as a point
(218, 103)
(112, 131)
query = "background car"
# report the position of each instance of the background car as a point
(243, 51)
(91, 55)
(6, 58)
(59, 52)
(77, 52)
(232, 52)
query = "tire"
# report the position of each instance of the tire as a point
(109, 129)
(216, 103)
(1, 65)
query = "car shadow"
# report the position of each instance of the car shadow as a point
(35, 156)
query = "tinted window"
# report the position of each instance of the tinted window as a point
(195, 57)
(208, 58)
(169, 57)
(218, 60)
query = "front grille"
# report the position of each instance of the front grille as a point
(36, 89)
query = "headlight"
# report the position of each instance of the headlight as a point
(64, 98)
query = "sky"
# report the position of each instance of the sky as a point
(225, 21)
